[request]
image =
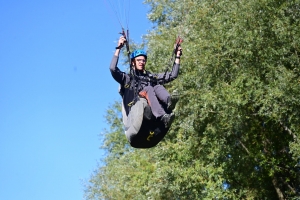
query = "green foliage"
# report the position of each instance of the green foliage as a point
(238, 118)
(113, 142)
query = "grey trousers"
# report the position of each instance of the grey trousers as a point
(153, 94)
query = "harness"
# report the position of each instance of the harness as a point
(130, 91)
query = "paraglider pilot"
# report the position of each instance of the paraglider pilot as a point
(146, 84)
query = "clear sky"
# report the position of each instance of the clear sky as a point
(55, 87)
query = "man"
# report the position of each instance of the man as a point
(145, 84)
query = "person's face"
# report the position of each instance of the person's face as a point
(140, 62)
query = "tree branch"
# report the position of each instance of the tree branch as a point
(289, 186)
(288, 130)
(278, 191)
(244, 146)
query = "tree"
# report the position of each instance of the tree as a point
(236, 134)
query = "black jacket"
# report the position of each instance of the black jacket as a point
(130, 88)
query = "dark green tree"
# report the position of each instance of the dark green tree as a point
(236, 134)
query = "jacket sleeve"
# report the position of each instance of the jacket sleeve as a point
(116, 73)
(170, 76)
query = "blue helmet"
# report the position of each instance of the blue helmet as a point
(137, 53)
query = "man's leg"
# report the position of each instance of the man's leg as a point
(157, 110)
(149, 94)
(162, 94)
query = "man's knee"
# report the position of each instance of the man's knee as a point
(148, 89)
(159, 87)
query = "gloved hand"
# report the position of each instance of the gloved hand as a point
(177, 47)
(121, 42)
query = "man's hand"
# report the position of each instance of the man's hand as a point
(121, 42)
(179, 51)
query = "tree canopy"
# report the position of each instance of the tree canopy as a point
(236, 132)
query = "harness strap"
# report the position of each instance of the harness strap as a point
(133, 87)
(152, 80)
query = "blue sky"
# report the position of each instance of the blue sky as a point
(55, 87)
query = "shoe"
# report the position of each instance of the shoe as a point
(167, 119)
(173, 100)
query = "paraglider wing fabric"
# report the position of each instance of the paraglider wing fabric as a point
(140, 132)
